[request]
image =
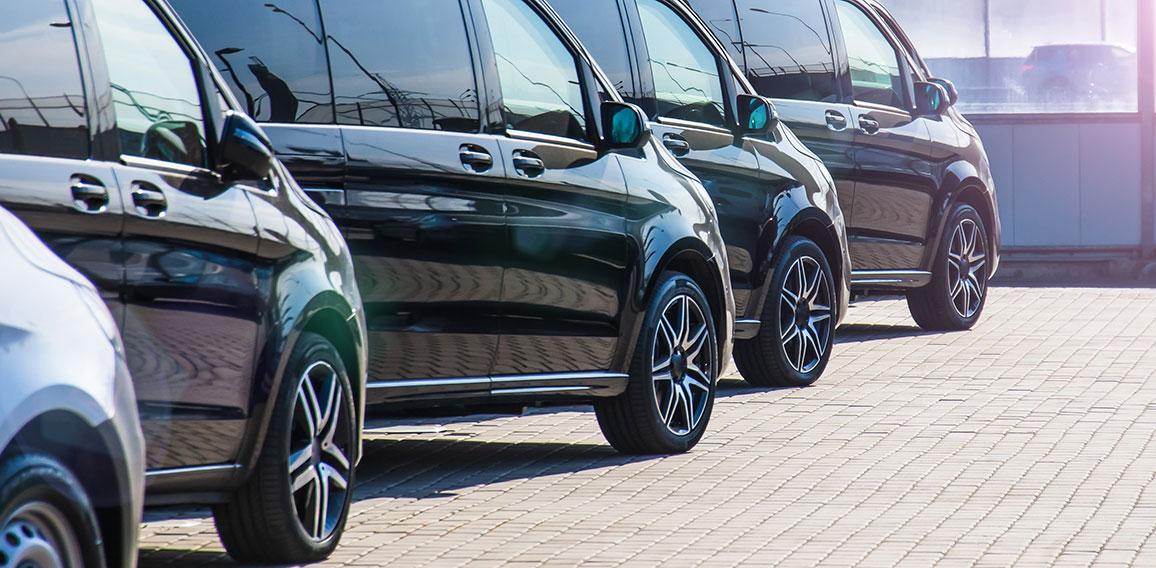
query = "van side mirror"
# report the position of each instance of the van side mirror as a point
(757, 115)
(931, 99)
(244, 151)
(952, 92)
(624, 126)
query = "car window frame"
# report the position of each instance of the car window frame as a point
(906, 72)
(201, 76)
(727, 75)
(490, 78)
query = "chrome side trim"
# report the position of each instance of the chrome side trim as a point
(747, 329)
(666, 121)
(538, 390)
(189, 470)
(902, 278)
(560, 377)
(420, 383)
(548, 139)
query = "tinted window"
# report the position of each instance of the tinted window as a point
(875, 76)
(720, 17)
(541, 91)
(154, 90)
(686, 77)
(598, 24)
(402, 63)
(41, 98)
(788, 49)
(271, 55)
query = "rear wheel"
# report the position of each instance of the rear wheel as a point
(46, 519)
(798, 322)
(958, 291)
(294, 507)
(673, 376)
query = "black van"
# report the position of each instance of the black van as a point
(519, 236)
(776, 201)
(912, 174)
(234, 293)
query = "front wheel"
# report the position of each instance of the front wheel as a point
(294, 507)
(45, 517)
(794, 341)
(673, 376)
(958, 291)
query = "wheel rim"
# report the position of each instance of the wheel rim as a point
(319, 465)
(39, 534)
(967, 268)
(805, 314)
(684, 362)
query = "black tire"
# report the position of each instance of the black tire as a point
(938, 306)
(44, 510)
(266, 522)
(633, 422)
(787, 353)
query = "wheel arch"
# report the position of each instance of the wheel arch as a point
(962, 184)
(91, 454)
(815, 225)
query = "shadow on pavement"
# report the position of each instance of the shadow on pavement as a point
(430, 469)
(859, 333)
(177, 558)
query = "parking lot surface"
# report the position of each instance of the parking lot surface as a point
(1027, 441)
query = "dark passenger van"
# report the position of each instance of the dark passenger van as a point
(912, 175)
(233, 292)
(777, 206)
(519, 236)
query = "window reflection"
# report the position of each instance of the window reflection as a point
(404, 63)
(155, 93)
(42, 108)
(541, 91)
(788, 49)
(686, 76)
(875, 76)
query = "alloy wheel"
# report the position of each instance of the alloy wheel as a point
(966, 268)
(39, 534)
(683, 365)
(805, 314)
(319, 466)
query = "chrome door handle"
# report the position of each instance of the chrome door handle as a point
(475, 158)
(89, 196)
(836, 121)
(676, 144)
(149, 202)
(869, 126)
(528, 164)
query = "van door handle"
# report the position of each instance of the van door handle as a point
(89, 195)
(528, 164)
(836, 121)
(149, 202)
(676, 144)
(869, 126)
(475, 158)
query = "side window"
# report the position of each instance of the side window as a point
(686, 73)
(403, 63)
(42, 106)
(875, 70)
(788, 49)
(154, 89)
(271, 55)
(723, 22)
(541, 90)
(598, 25)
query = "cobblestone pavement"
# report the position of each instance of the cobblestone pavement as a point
(1026, 442)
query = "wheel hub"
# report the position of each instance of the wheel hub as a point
(678, 364)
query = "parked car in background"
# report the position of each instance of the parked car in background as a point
(71, 448)
(777, 205)
(1080, 72)
(912, 176)
(234, 293)
(519, 236)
